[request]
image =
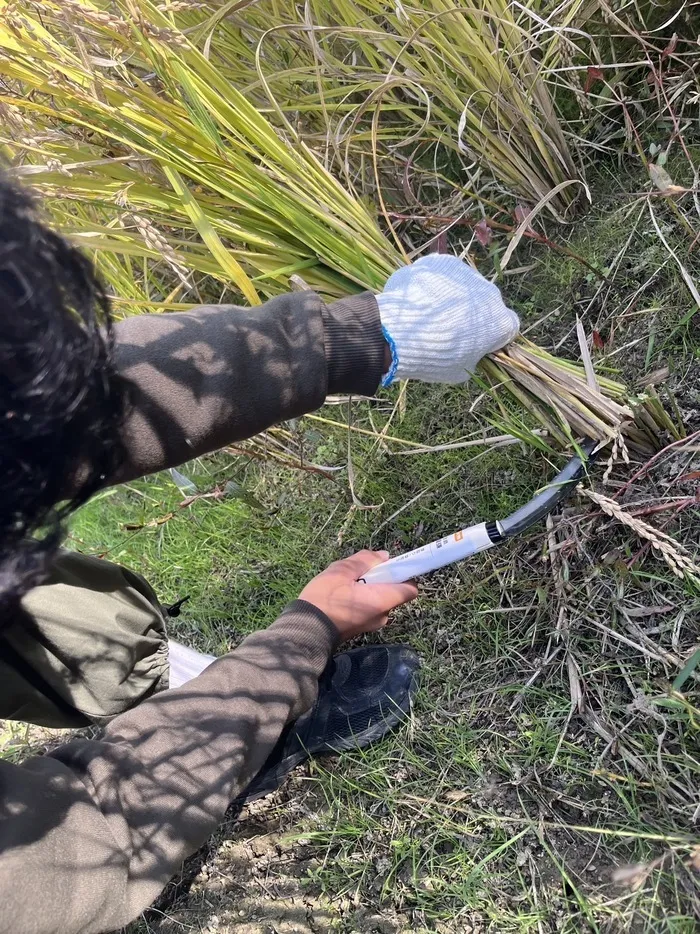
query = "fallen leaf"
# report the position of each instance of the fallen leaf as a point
(456, 796)
(671, 47)
(521, 212)
(151, 524)
(640, 612)
(693, 475)
(483, 232)
(662, 180)
(183, 483)
(695, 859)
(575, 685)
(406, 184)
(598, 341)
(297, 284)
(633, 877)
(593, 74)
(234, 489)
(656, 376)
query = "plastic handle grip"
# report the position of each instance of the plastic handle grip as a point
(430, 557)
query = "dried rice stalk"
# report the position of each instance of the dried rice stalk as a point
(673, 554)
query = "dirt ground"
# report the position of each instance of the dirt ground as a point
(255, 876)
(252, 878)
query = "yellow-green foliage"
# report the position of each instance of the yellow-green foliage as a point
(470, 77)
(145, 151)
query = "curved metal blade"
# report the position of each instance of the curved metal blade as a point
(557, 490)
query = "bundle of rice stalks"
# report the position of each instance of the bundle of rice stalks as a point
(570, 401)
(177, 182)
(144, 151)
(473, 79)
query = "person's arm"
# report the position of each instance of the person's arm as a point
(209, 377)
(91, 833)
(205, 378)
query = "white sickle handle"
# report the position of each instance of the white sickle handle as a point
(435, 555)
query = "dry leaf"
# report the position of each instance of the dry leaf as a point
(455, 796)
(520, 213)
(483, 232)
(593, 74)
(671, 47)
(693, 475)
(440, 243)
(663, 180)
(151, 524)
(641, 612)
(633, 877)
(656, 376)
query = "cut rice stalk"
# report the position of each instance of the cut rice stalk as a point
(565, 395)
(573, 414)
(492, 376)
(549, 372)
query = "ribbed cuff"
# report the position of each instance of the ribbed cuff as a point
(308, 627)
(390, 374)
(355, 345)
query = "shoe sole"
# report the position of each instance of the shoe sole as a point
(377, 731)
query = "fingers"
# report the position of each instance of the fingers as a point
(361, 562)
(401, 593)
(386, 597)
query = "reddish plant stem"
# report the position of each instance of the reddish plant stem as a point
(640, 473)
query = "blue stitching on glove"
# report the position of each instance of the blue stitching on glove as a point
(389, 378)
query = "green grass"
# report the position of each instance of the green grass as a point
(480, 805)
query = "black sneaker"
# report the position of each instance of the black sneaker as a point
(363, 694)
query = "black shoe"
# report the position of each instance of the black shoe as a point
(363, 694)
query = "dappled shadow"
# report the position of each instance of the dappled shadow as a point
(100, 825)
(104, 823)
(252, 875)
(206, 378)
(179, 886)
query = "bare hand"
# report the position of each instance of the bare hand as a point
(355, 607)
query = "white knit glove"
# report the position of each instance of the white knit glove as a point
(440, 317)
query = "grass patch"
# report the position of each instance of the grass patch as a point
(500, 805)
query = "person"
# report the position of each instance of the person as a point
(91, 832)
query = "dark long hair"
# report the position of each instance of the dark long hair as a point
(61, 402)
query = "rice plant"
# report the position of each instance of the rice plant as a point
(119, 113)
(473, 79)
(176, 182)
